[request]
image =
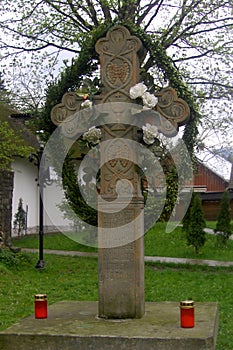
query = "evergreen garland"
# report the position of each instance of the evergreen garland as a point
(84, 66)
(74, 196)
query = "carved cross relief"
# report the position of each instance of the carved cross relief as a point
(121, 56)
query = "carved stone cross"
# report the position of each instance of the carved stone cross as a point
(120, 204)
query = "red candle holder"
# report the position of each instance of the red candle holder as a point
(187, 314)
(41, 308)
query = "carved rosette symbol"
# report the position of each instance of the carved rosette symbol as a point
(117, 74)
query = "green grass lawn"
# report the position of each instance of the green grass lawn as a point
(52, 241)
(157, 243)
(75, 278)
(211, 224)
(64, 278)
(160, 243)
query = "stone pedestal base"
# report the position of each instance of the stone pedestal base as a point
(74, 325)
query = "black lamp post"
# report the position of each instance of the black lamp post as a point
(43, 179)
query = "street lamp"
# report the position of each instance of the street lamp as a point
(43, 179)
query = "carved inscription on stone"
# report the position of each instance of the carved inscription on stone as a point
(117, 281)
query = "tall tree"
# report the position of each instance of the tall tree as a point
(192, 38)
(3, 91)
(189, 44)
(2, 82)
(11, 145)
(27, 81)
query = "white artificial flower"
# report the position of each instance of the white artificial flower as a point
(92, 135)
(86, 104)
(150, 132)
(137, 90)
(149, 100)
(151, 128)
(148, 140)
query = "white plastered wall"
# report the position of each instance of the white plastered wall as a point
(25, 187)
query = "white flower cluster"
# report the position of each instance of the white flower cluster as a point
(140, 90)
(86, 104)
(150, 132)
(93, 135)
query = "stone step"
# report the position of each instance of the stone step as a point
(75, 325)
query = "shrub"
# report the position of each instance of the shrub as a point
(195, 224)
(223, 226)
(11, 259)
(20, 219)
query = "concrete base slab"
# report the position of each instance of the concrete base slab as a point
(75, 325)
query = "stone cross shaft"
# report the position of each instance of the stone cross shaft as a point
(121, 252)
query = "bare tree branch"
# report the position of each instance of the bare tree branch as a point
(193, 57)
(149, 7)
(106, 10)
(79, 20)
(204, 81)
